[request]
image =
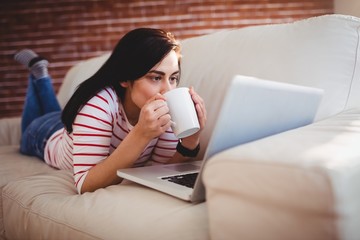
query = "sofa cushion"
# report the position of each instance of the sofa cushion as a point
(300, 184)
(10, 131)
(77, 74)
(126, 211)
(15, 166)
(319, 52)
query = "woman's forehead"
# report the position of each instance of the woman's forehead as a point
(168, 64)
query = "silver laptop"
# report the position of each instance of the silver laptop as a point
(251, 109)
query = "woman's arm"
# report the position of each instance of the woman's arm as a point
(124, 156)
(153, 121)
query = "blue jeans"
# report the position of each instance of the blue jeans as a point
(41, 116)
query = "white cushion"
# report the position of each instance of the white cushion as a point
(301, 184)
(10, 131)
(45, 206)
(319, 52)
(15, 166)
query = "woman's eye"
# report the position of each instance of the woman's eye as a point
(155, 78)
(174, 79)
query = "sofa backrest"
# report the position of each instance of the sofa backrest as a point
(320, 52)
(77, 74)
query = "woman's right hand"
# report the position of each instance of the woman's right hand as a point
(154, 117)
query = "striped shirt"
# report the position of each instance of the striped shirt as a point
(100, 126)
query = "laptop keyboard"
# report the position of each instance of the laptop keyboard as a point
(187, 180)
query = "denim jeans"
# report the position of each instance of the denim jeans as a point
(41, 116)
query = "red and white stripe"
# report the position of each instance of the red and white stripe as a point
(100, 126)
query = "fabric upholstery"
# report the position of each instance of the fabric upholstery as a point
(319, 52)
(13, 167)
(47, 205)
(307, 190)
(300, 184)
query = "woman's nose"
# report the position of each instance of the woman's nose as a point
(166, 86)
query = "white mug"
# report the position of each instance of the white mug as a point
(182, 111)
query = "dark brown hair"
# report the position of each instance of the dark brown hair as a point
(134, 55)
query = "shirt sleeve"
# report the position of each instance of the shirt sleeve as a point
(92, 132)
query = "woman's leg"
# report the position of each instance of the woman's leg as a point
(40, 98)
(46, 95)
(32, 109)
(38, 132)
(42, 112)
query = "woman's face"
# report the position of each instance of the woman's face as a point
(163, 77)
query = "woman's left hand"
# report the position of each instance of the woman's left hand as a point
(192, 141)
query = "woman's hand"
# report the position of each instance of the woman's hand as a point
(192, 141)
(154, 118)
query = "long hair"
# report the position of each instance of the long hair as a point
(133, 56)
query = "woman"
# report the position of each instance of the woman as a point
(118, 118)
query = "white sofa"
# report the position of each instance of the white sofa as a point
(299, 184)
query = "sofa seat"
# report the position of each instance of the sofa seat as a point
(41, 203)
(15, 166)
(309, 191)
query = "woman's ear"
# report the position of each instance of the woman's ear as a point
(124, 84)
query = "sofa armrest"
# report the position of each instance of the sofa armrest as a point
(300, 184)
(10, 131)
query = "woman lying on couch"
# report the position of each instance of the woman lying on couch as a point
(118, 118)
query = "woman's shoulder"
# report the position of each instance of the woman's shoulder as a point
(105, 99)
(108, 93)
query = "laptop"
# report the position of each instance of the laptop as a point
(252, 109)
